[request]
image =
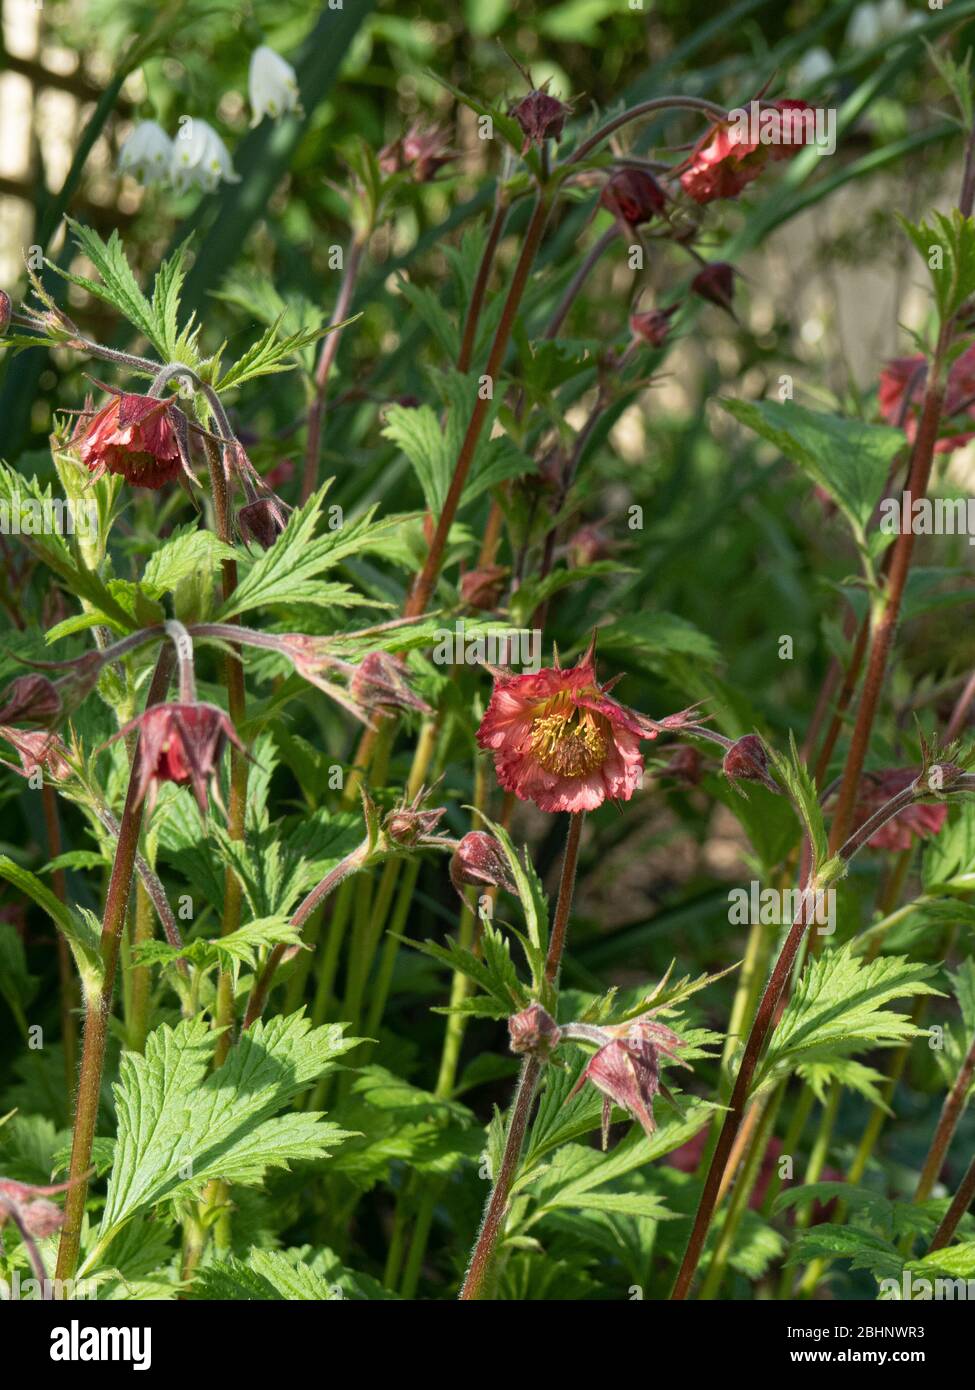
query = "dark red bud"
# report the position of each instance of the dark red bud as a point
(634, 196)
(684, 766)
(408, 826)
(746, 760)
(262, 521)
(31, 700)
(534, 1031)
(653, 325)
(716, 283)
(6, 309)
(541, 116)
(482, 588)
(586, 546)
(479, 861)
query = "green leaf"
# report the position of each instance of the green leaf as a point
(188, 551)
(289, 572)
(849, 459)
(947, 247)
(81, 932)
(118, 285)
(271, 354)
(17, 985)
(796, 778)
(836, 1008)
(181, 1125)
(237, 948)
(650, 640)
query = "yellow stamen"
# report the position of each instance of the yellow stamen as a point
(567, 740)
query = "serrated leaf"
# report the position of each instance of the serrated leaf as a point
(181, 1125)
(850, 459)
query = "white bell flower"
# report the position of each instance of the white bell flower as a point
(147, 153)
(200, 157)
(272, 85)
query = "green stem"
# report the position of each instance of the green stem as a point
(98, 1004)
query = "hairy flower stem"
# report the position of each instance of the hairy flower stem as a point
(886, 622)
(98, 1008)
(951, 1113)
(316, 413)
(593, 256)
(482, 1257)
(743, 1191)
(962, 1200)
(495, 232)
(645, 108)
(425, 583)
(762, 1025)
(67, 985)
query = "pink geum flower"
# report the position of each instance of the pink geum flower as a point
(900, 395)
(136, 437)
(181, 743)
(560, 741)
(917, 821)
(626, 1069)
(726, 160)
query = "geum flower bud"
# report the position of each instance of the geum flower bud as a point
(633, 196)
(379, 682)
(422, 152)
(626, 1069)
(37, 749)
(31, 700)
(746, 760)
(534, 1031)
(180, 743)
(482, 588)
(652, 326)
(141, 438)
(480, 862)
(716, 283)
(414, 826)
(262, 520)
(541, 116)
(560, 741)
(6, 312)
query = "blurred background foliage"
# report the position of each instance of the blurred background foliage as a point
(734, 543)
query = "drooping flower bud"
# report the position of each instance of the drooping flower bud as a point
(747, 761)
(684, 766)
(534, 1031)
(634, 196)
(716, 283)
(541, 116)
(379, 682)
(480, 862)
(421, 153)
(6, 310)
(262, 521)
(482, 587)
(586, 546)
(180, 742)
(652, 326)
(31, 699)
(627, 1067)
(37, 749)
